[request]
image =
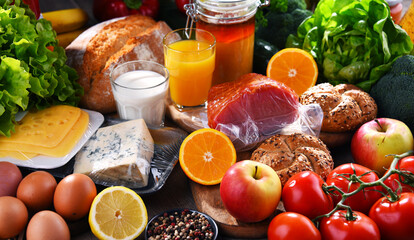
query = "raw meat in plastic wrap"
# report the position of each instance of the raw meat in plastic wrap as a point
(255, 107)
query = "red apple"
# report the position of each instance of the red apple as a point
(378, 138)
(250, 191)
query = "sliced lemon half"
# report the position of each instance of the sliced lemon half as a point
(118, 213)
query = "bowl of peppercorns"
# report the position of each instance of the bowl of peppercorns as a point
(181, 224)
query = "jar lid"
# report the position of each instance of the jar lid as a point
(227, 5)
(392, 3)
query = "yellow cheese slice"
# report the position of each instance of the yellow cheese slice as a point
(18, 155)
(45, 128)
(62, 149)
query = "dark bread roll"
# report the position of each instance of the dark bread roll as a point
(290, 154)
(345, 106)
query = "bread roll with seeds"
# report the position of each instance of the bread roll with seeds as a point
(345, 106)
(290, 154)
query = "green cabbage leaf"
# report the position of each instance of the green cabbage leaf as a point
(353, 41)
(33, 70)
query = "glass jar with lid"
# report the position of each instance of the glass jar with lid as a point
(232, 22)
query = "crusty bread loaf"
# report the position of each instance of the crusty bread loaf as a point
(345, 106)
(290, 154)
(104, 46)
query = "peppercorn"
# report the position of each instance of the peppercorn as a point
(180, 225)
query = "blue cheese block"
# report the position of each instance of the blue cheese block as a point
(118, 155)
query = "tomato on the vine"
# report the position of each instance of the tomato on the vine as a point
(148, 8)
(34, 6)
(180, 4)
(108, 9)
(404, 164)
(395, 220)
(303, 194)
(338, 227)
(292, 226)
(361, 201)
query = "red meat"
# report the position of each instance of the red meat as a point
(252, 106)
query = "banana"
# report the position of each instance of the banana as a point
(64, 39)
(66, 20)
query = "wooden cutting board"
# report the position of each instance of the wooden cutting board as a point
(189, 119)
(207, 200)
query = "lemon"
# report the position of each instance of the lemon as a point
(117, 213)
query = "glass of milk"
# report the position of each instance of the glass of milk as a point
(140, 89)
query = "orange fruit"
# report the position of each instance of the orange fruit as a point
(205, 155)
(294, 67)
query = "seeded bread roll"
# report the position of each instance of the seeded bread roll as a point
(345, 106)
(290, 154)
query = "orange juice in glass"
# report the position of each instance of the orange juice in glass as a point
(190, 58)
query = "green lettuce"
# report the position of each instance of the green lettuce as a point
(353, 41)
(33, 70)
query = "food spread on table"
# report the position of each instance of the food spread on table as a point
(261, 167)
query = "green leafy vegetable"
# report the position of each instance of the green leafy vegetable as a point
(393, 92)
(274, 6)
(352, 41)
(282, 20)
(31, 75)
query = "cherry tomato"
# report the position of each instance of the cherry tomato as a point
(292, 226)
(34, 6)
(363, 200)
(337, 227)
(395, 220)
(303, 194)
(104, 10)
(149, 8)
(405, 164)
(180, 4)
(108, 9)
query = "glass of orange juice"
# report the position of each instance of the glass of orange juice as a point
(189, 55)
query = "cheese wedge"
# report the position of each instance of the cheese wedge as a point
(45, 128)
(18, 155)
(62, 149)
(118, 155)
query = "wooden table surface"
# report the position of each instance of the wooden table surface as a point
(176, 191)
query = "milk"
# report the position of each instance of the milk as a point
(141, 94)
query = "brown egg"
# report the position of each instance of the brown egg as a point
(10, 177)
(13, 217)
(36, 190)
(74, 195)
(47, 225)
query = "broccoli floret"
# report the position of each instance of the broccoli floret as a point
(296, 4)
(281, 24)
(299, 15)
(403, 66)
(393, 93)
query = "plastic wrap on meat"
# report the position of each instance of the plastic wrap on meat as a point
(251, 107)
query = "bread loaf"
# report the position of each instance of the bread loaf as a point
(104, 46)
(290, 154)
(345, 106)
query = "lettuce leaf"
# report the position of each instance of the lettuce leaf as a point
(352, 41)
(31, 75)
